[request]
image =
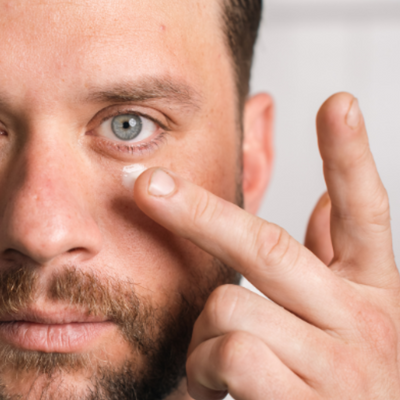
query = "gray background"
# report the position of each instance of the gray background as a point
(308, 50)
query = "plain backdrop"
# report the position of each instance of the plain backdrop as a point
(307, 50)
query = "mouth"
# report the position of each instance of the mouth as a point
(54, 331)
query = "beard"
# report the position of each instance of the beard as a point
(159, 336)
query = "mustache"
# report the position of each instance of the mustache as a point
(16, 289)
(114, 299)
(161, 333)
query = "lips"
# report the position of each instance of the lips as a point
(53, 331)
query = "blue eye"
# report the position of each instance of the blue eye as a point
(126, 127)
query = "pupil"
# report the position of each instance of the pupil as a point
(126, 125)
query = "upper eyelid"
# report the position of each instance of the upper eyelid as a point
(137, 113)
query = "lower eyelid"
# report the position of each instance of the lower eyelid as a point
(139, 149)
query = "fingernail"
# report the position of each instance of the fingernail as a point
(325, 200)
(161, 183)
(354, 114)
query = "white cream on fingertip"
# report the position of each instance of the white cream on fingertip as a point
(130, 173)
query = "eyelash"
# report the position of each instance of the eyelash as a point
(138, 149)
(141, 148)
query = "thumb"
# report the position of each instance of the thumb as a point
(318, 236)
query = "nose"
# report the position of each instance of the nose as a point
(45, 207)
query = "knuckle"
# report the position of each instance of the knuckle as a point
(380, 205)
(205, 208)
(378, 331)
(236, 350)
(344, 363)
(360, 158)
(275, 247)
(222, 305)
(354, 363)
(191, 364)
(337, 357)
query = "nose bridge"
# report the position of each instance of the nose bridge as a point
(46, 169)
(44, 214)
(41, 182)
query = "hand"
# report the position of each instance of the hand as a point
(330, 332)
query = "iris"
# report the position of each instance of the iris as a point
(127, 126)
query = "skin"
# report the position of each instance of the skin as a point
(332, 332)
(336, 333)
(87, 218)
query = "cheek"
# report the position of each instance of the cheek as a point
(209, 159)
(160, 264)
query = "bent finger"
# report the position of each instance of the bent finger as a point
(244, 366)
(301, 346)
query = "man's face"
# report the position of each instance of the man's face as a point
(91, 288)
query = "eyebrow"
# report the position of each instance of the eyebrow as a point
(145, 90)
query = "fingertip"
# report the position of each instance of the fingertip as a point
(342, 137)
(339, 112)
(353, 117)
(153, 191)
(161, 184)
(324, 201)
(140, 187)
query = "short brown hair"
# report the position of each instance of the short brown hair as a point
(241, 20)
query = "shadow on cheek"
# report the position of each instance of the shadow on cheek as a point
(150, 240)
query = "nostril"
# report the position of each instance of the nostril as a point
(76, 250)
(15, 257)
(47, 227)
(11, 254)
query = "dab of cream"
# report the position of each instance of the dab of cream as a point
(130, 173)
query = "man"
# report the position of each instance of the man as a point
(101, 283)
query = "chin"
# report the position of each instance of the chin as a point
(38, 375)
(60, 386)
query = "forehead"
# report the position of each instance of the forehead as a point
(80, 42)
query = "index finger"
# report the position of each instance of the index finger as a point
(264, 253)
